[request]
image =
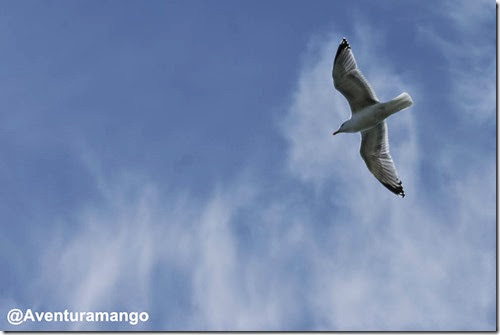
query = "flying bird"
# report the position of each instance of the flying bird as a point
(368, 116)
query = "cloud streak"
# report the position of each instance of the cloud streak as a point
(468, 53)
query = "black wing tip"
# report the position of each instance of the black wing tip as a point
(398, 190)
(343, 45)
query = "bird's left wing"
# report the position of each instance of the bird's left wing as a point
(349, 81)
(375, 152)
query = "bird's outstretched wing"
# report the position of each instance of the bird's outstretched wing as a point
(375, 152)
(349, 81)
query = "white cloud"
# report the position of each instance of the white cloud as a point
(470, 56)
(393, 266)
(111, 258)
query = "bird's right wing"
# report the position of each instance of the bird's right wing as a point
(375, 152)
(349, 81)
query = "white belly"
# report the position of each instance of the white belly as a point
(367, 118)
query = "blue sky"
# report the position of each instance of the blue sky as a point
(176, 157)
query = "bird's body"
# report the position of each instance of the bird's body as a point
(368, 116)
(364, 119)
(371, 115)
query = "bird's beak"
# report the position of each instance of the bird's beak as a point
(335, 132)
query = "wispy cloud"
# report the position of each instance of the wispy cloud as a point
(469, 54)
(388, 265)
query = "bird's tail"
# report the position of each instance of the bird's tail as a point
(400, 102)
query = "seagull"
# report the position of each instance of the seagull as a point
(368, 116)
